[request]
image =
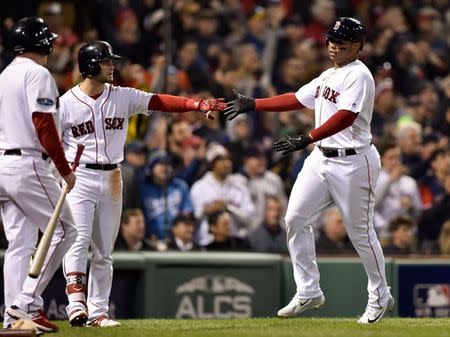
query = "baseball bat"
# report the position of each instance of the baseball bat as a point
(41, 251)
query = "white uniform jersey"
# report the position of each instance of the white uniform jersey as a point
(25, 87)
(100, 124)
(350, 87)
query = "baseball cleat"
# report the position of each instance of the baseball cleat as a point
(78, 318)
(298, 305)
(374, 315)
(103, 322)
(38, 317)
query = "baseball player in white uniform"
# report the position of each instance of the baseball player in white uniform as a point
(28, 189)
(343, 168)
(96, 113)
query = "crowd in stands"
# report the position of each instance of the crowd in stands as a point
(193, 184)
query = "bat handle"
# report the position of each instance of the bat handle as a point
(76, 161)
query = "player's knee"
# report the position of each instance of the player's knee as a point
(70, 234)
(294, 220)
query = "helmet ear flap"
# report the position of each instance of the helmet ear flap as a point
(94, 69)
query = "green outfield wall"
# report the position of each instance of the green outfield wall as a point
(237, 285)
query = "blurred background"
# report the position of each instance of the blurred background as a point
(200, 48)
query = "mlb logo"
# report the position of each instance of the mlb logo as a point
(432, 295)
(337, 24)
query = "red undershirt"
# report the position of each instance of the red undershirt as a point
(49, 138)
(162, 102)
(96, 96)
(341, 120)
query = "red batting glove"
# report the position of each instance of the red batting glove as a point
(212, 104)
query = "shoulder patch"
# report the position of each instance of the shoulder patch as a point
(45, 101)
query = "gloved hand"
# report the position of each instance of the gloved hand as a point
(211, 104)
(238, 106)
(290, 144)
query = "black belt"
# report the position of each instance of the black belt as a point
(330, 152)
(102, 167)
(18, 152)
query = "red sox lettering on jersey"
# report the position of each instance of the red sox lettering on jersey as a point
(348, 88)
(101, 124)
(115, 123)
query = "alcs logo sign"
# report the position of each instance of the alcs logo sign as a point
(214, 296)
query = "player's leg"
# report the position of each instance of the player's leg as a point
(104, 233)
(38, 201)
(83, 202)
(22, 237)
(352, 183)
(308, 197)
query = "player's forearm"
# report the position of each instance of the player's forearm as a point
(338, 122)
(48, 136)
(283, 102)
(162, 102)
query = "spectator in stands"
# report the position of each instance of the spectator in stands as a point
(402, 237)
(429, 102)
(240, 131)
(183, 229)
(323, 15)
(206, 34)
(293, 74)
(292, 33)
(396, 193)
(186, 150)
(54, 17)
(257, 30)
(190, 61)
(260, 182)
(163, 197)
(132, 232)
(432, 185)
(432, 220)
(409, 138)
(210, 130)
(444, 239)
(333, 238)
(270, 236)
(218, 190)
(133, 173)
(308, 51)
(219, 223)
(383, 111)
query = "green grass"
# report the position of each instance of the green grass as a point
(267, 327)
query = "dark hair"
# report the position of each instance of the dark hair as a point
(436, 153)
(183, 217)
(128, 213)
(396, 223)
(214, 217)
(385, 145)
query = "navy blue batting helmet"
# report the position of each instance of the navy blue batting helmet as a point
(31, 34)
(92, 54)
(347, 29)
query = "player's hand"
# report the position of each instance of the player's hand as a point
(212, 104)
(70, 180)
(239, 105)
(290, 144)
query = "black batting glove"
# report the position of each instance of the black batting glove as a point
(291, 144)
(238, 106)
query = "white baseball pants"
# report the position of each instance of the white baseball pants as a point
(29, 192)
(96, 204)
(349, 182)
